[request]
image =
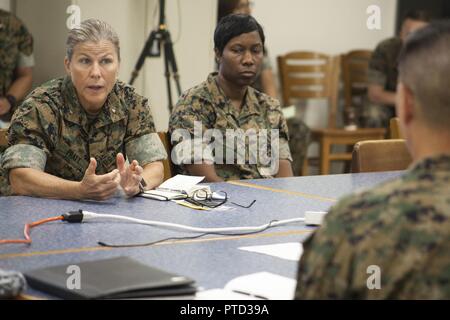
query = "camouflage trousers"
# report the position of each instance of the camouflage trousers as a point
(299, 139)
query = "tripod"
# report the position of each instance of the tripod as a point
(152, 48)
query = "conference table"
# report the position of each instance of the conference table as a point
(211, 260)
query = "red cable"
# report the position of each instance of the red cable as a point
(27, 228)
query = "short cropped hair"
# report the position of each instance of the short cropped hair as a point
(418, 15)
(424, 67)
(91, 30)
(234, 25)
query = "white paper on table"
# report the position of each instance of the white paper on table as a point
(289, 251)
(176, 188)
(265, 285)
(181, 182)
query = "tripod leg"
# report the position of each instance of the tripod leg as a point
(167, 75)
(144, 53)
(173, 63)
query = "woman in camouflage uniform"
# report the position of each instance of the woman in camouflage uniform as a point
(69, 137)
(226, 104)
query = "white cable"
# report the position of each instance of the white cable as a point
(92, 215)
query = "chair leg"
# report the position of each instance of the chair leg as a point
(324, 156)
(304, 168)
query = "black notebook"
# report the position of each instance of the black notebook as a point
(116, 278)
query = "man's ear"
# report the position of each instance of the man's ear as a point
(405, 105)
(67, 65)
(409, 108)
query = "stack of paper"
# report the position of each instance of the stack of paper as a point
(178, 187)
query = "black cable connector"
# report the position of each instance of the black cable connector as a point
(73, 216)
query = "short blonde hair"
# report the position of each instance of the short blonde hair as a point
(91, 30)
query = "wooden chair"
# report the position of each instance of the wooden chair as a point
(355, 67)
(394, 129)
(380, 155)
(168, 165)
(305, 75)
(3, 138)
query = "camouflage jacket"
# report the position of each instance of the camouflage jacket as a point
(383, 66)
(51, 132)
(398, 232)
(15, 42)
(205, 107)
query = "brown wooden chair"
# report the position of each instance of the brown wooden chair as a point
(394, 129)
(305, 75)
(355, 67)
(168, 165)
(380, 155)
(3, 138)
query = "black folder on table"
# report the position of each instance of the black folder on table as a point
(116, 278)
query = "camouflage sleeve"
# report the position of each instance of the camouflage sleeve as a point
(24, 39)
(279, 120)
(142, 143)
(32, 136)
(326, 262)
(191, 117)
(25, 61)
(146, 149)
(5, 188)
(377, 73)
(284, 151)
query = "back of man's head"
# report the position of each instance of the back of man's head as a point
(424, 66)
(412, 21)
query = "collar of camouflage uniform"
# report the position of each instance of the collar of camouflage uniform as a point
(218, 98)
(114, 109)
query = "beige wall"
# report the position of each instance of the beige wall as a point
(46, 20)
(4, 4)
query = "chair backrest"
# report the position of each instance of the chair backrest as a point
(394, 129)
(3, 138)
(306, 74)
(355, 66)
(168, 165)
(380, 155)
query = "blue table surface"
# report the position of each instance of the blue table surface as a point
(212, 260)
